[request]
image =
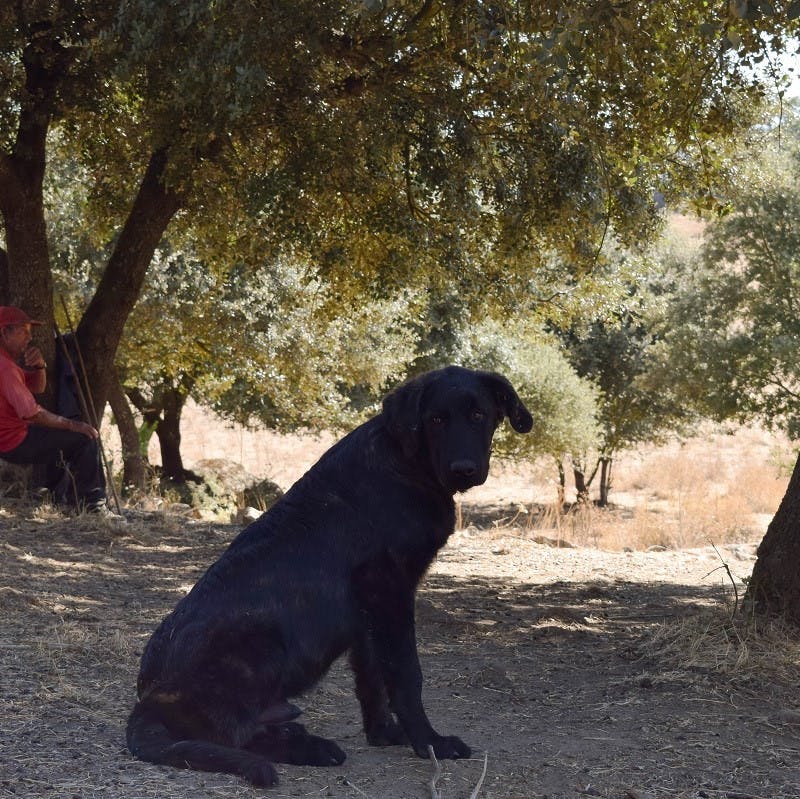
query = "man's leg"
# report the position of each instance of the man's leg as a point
(74, 451)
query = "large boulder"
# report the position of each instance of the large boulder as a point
(222, 489)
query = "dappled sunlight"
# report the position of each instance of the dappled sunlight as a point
(153, 548)
(68, 566)
(591, 659)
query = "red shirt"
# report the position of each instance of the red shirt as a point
(17, 404)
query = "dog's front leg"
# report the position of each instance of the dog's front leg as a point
(403, 677)
(387, 602)
(380, 725)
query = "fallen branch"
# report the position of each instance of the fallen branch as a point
(474, 794)
(437, 773)
(733, 582)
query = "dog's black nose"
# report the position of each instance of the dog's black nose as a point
(464, 468)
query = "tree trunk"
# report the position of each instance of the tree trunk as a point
(46, 62)
(29, 280)
(168, 431)
(582, 482)
(605, 481)
(581, 489)
(562, 484)
(4, 292)
(134, 462)
(29, 284)
(774, 588)
(100, 329)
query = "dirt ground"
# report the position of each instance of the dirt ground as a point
(572, 672)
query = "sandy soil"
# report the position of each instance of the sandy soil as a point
(551, 663)
(572, 672)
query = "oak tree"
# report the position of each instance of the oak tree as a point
(735, 337)
(386, 141)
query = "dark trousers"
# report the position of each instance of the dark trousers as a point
(72, 461)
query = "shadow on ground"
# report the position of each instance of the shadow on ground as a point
(553, 682)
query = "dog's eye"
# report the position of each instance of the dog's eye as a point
(477, 416)
(437, 419)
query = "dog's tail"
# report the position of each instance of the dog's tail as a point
(149, 738)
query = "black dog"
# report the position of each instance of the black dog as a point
(332, 567)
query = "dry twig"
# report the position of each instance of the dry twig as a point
(474, 794)
(436, 774)
(730, 577)
(436, 794)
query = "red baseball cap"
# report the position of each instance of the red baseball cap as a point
(11, 315)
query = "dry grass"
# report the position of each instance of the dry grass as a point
(720, 489)
(716, 640)
(13, 480)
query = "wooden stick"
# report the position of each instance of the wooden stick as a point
(474, 794)
(86, 398)
(436, 774)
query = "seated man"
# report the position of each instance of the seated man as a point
(31, 434)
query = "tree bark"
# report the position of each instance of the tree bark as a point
(168, 431)
(582, 482)
(163, 414)
(100, 329)
(29, 281)
(562, 484)
(581, 489)
(134, 462)
(774, 588)
(4, 278)
(47, 62)
(605, 481)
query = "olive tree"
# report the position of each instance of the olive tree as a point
(386, 142)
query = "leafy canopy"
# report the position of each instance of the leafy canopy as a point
(562, 404)
(385, 146)
(393, 140)
(735, 341)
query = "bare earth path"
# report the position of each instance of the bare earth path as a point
(542, 659)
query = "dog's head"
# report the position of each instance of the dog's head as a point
(449, 416)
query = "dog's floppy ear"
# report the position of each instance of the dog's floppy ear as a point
(508, 402)
(402, 410)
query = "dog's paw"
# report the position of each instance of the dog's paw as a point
(292, 743)
(260, 773)
(389, 733)
(445, 747)
(316, 751)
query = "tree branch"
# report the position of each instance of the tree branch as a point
(100, 330)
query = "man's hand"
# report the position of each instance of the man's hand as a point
(86, 429)
(33, 358)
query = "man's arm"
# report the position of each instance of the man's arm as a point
(36, 380)
(44, 418)
(35, 370)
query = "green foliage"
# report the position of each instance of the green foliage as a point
(562, 404)
(305, 360)
(634, 407)
(388, 141)
(735, 343)
(269, 345)
(263, 347)
(618, 348)
(344, 150)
